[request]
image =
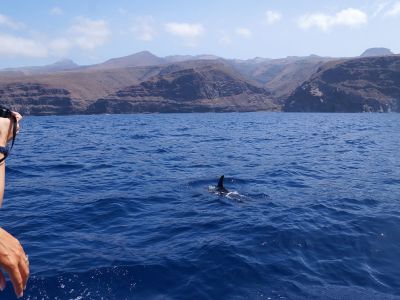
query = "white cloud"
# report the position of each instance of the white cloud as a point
(272, 17)
(60, 46)
(185, 30)
(89, 34)
(10, 23)
(56, 11)
(189, 32)
(19, 46)
(144, 28)
(394, 10)
(243, 32)
(350, 17)
(84, 33)
(379, 8)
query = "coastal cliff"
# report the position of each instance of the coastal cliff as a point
(188, 86)
(370, 84)
(37, 99)
(146, 83)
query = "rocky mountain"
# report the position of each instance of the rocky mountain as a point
(194, 86)
(280, 76)
(179, 58)
(143, 82)
(146, 58)
(202, 85)
(59, 66)
(140, 59)
(370, 84)
(376, 52)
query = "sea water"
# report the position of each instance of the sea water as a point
(119, 206)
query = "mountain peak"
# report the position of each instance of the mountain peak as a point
(378, 51)
(139, 59)
(66, 62)
(144, 52)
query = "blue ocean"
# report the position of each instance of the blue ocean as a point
(123, 206)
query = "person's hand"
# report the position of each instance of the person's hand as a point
(14, 261)
(6, 132)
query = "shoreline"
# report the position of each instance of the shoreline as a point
(208, 112)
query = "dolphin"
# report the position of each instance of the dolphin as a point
(220, 187)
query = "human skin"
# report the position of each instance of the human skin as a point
(6, 134)
(13, 259)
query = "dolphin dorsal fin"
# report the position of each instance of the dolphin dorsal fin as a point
(221, 182)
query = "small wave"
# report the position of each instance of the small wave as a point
(20, 172)
(161, 150)
(134, 218)
(391, 181)
(140, 136)
(234, 195)
(65, 166)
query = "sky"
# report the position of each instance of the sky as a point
(39, 32)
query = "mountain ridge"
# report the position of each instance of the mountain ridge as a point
(367, 84)
(377, 51)
(40, 94)
(144, 82)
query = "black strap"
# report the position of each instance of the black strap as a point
(3, 150)
(14, 124)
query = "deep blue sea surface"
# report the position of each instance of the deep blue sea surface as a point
(121, 206)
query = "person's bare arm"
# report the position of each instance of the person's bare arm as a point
(13, 259)
(2, 179)
(6, 134)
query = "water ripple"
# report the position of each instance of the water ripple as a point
(119, 207)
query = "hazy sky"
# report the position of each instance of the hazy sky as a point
(91, 31)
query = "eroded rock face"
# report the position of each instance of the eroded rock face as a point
(351, 85)
(359, 85)
(281, 76)
(179, 87)
(189, 85)
(37, 99)
(188, 90)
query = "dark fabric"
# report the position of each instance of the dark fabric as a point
(4, 150)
